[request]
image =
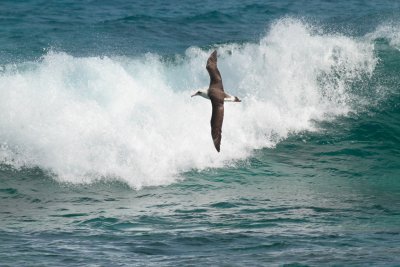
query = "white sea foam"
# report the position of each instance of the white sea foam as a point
(85, 119)
(389, 31)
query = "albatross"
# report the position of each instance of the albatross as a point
(217, 95)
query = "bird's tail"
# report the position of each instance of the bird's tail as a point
(229, 98)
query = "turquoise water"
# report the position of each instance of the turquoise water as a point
(105, 160)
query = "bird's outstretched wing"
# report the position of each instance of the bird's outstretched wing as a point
(217, 119)
(215, 76)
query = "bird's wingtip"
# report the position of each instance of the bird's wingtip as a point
(218, 148)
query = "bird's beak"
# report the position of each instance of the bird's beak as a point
(193, 95)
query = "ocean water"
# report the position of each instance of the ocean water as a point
(106, 160)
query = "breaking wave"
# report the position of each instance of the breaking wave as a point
(133, 119)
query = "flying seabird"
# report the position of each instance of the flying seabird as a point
(216, 94)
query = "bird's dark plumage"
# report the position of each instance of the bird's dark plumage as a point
(217, 118)
(217, 95)
(215, 76)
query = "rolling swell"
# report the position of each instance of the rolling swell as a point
(85, 119)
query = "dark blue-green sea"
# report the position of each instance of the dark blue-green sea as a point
(106, 160)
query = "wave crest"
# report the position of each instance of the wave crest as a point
(133, 119)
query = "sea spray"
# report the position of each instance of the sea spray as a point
(132, 119)
(389, 31)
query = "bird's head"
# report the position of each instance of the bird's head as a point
(196, 93)
(202, 93)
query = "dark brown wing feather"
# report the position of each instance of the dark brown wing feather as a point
(217, 119)
(215, 76)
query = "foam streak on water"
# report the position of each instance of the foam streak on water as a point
(133, 119)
